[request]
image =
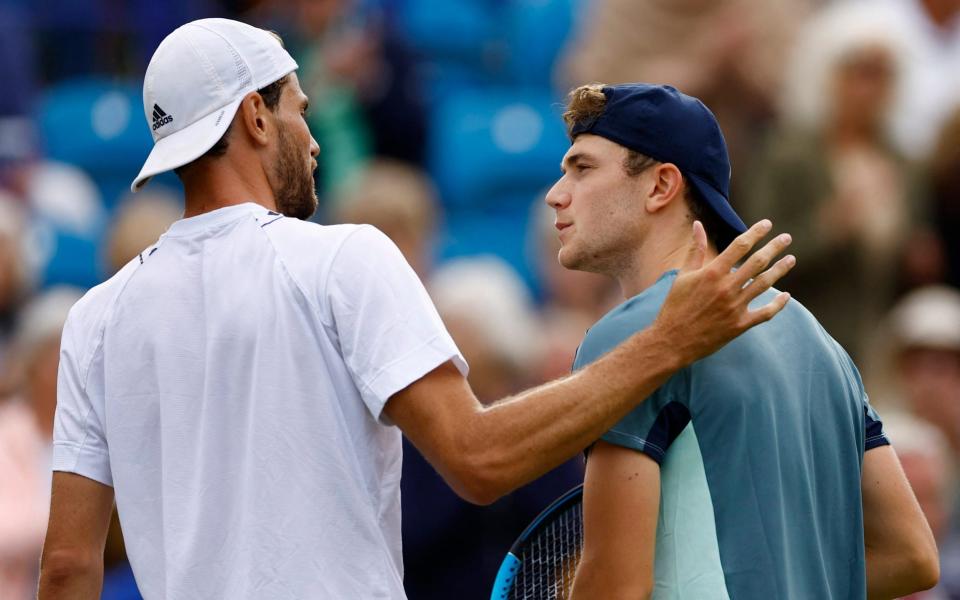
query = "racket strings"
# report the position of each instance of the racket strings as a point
(549, 559)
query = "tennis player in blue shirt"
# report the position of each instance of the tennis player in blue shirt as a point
(758, 473)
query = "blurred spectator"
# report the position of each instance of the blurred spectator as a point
(399, 200)
(831, 178)
(945, 189)
(928, 464)
(728, 53)
(64, 216)
(365, 96)
(26, 428)
(335, 116)
(489, 313)
(376, 63)
(561, 332)
(24, 498)
(18, 67)
(920, 367)
(15, 280)
(933, 27)
(77, 39)
(139, 223)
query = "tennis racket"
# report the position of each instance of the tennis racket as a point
(542, 562)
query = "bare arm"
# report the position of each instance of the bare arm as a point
(72, 562)
(485, 452)
(621, 502)
(901, 553)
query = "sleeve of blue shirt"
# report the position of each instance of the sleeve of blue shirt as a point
(873, 434)
(653, 425)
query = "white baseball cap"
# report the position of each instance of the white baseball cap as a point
(196, 80)
(928, 318)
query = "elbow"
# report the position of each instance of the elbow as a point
(59, 567)
(478, 477)
(924, 567)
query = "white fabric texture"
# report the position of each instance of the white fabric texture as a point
(229, 384)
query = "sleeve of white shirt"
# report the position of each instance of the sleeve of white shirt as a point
(389, 330)
(79, 443)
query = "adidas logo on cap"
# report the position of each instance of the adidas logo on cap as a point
(160, 118)
(217, 62)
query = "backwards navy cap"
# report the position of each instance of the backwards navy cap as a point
(669, 126)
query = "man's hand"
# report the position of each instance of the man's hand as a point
(708, 304)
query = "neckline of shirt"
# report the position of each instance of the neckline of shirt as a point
(214, 218)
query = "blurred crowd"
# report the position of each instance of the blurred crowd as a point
(439, 123)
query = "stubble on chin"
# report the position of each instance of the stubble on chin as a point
(297, 195)
(569, 259)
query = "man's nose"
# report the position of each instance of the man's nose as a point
(558, 196)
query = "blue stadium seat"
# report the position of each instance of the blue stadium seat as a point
(462, 30)
(67, 257)
(491, 145)
(98, 126)
(537, 31)
(456, 44)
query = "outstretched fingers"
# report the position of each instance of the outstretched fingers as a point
(765, 280)
(759, 260)
(767, 311)
(740, 246)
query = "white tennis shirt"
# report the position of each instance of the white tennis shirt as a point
(229, 384)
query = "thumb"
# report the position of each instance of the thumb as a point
(698, 248)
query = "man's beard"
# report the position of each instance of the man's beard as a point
(297, 196)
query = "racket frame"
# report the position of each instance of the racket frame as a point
(511, 562)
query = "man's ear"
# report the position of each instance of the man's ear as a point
(665, 185)
(253, 114)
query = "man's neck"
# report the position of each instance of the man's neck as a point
(654, 258)
(220, 185)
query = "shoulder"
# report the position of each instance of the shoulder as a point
(297, 240)
(287, 232)
(624, 320)
(310, 250)
(87, 318)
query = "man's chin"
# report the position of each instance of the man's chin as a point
(569, 260)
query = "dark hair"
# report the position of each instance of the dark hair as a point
(271, 99)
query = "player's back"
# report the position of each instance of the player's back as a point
(760, 448)
(246, 462)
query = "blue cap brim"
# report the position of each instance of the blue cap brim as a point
(718, 203)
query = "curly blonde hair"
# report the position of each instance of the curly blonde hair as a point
(585, 104)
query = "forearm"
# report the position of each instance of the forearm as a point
(70, 578)
(520, 438)
(485, 452)
(900, 550)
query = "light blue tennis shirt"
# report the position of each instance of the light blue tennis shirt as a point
(760, 448)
